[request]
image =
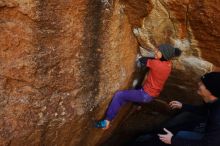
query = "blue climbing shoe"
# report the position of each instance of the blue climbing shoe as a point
(104, 124)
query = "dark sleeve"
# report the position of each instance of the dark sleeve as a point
(197, 109)
(186, 142)
(210, 138)
(143, 61)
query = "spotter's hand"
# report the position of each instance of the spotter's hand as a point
(166, 138)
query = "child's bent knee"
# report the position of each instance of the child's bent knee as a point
(118, 93)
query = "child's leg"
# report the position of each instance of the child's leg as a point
(122, 97)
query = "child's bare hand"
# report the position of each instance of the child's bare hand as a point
(136, 31)
(175, 105)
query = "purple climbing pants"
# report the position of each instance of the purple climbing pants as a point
(125, 96)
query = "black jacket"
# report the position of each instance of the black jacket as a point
(212, 131)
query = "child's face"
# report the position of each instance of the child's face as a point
(158, 54)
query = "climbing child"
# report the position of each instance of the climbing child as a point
(159, 70)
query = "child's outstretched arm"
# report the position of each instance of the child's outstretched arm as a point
(140, 38)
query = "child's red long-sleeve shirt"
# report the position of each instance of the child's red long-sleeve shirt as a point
(157, 76)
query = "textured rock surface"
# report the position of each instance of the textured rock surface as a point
(190, 25)
(61, 62)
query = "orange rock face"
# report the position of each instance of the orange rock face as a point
(203, 19)
(62, 60)
(59, 61)
(193, 27)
